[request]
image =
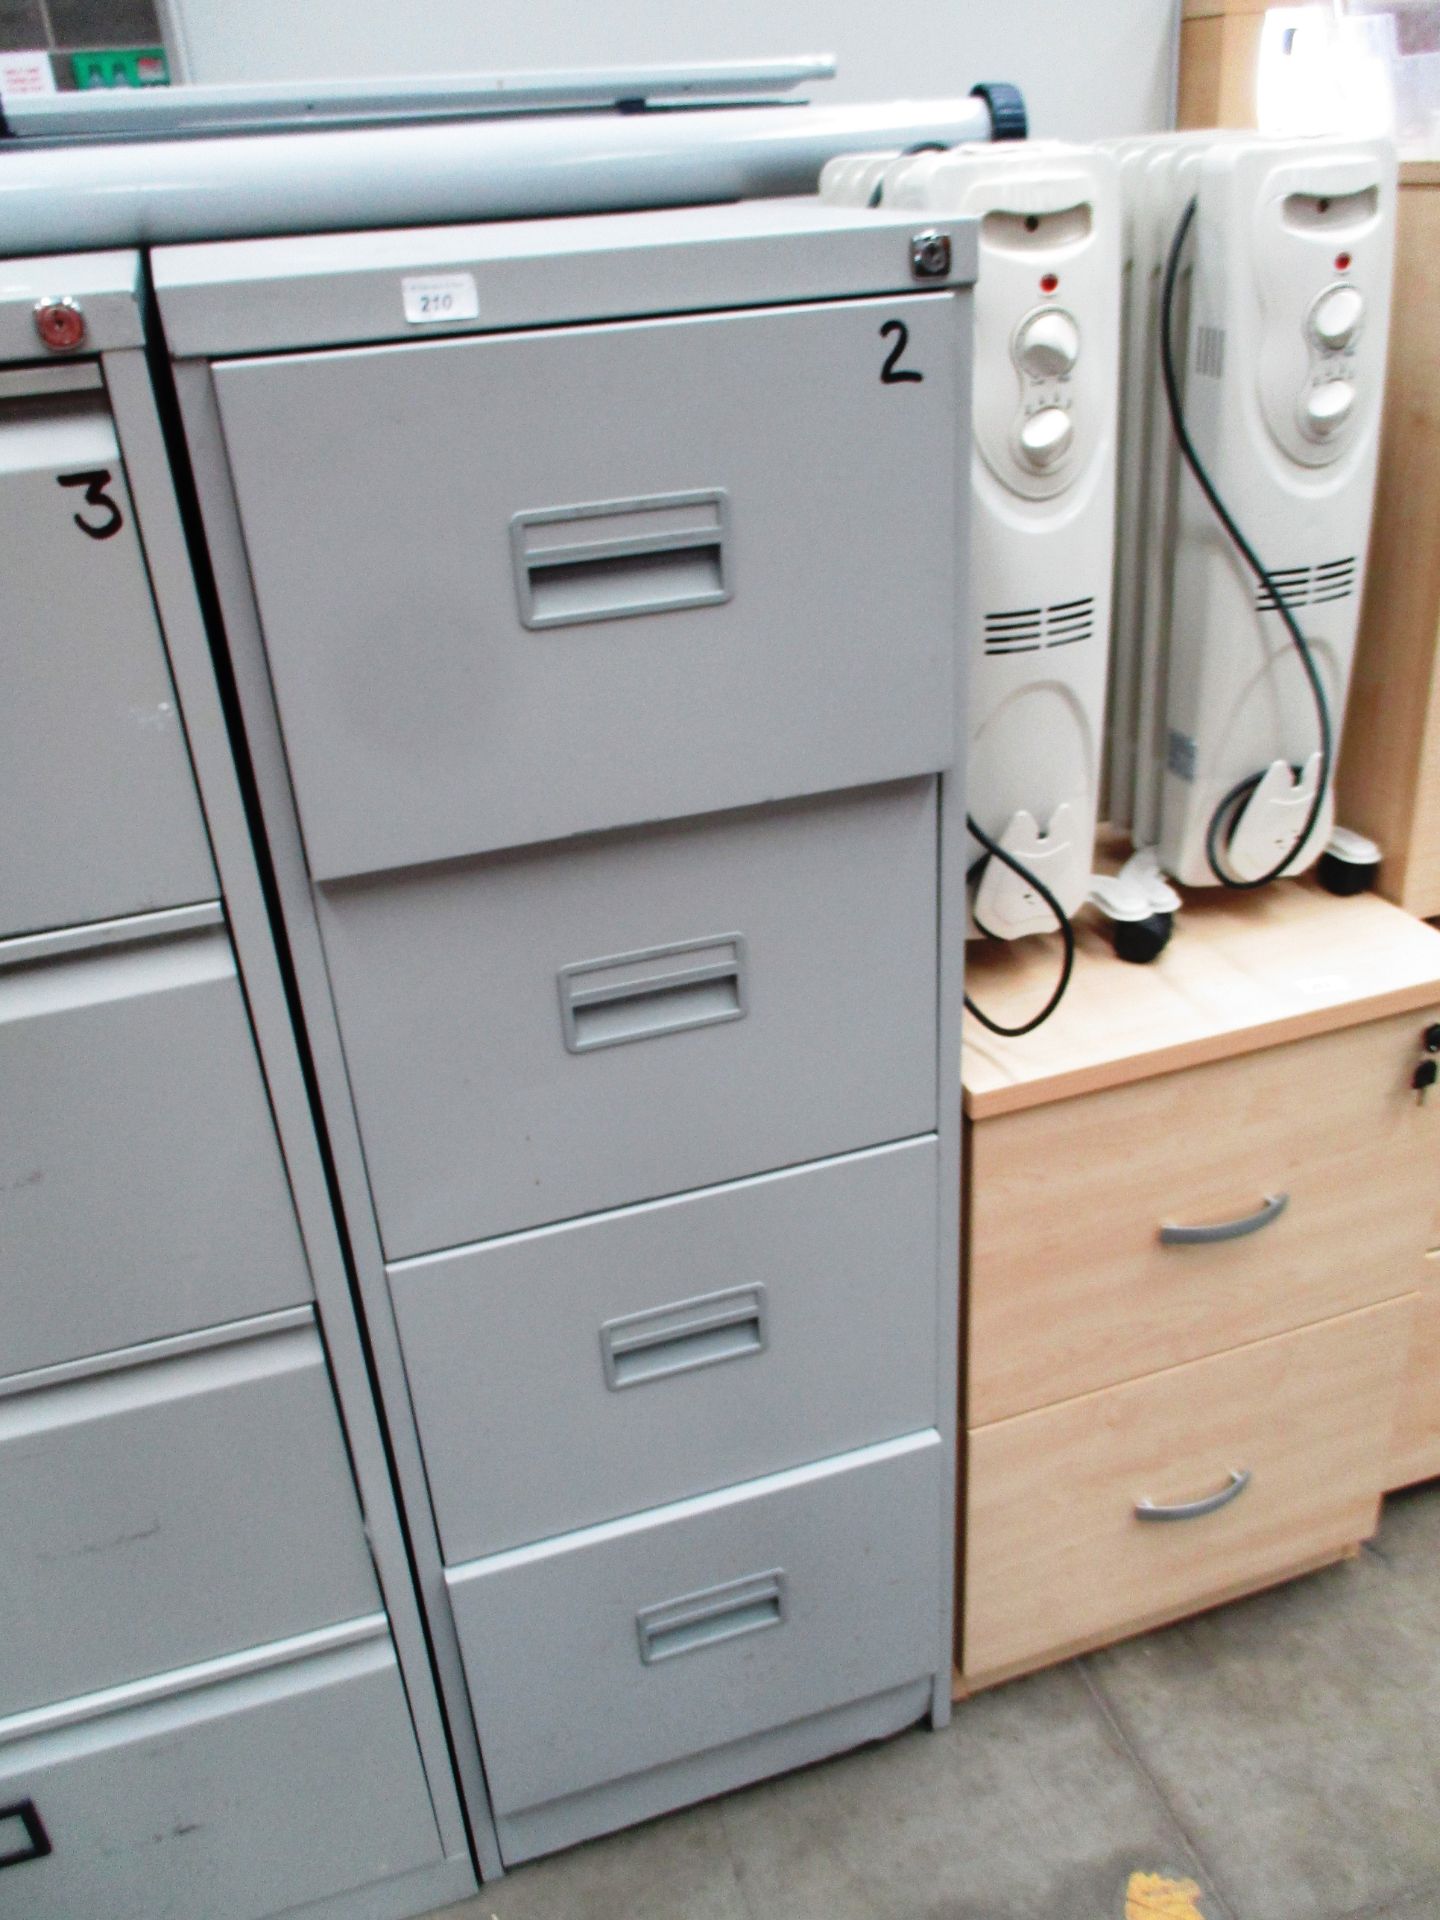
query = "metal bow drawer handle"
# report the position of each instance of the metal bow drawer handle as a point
(1197, 1509)
(1271, 1208)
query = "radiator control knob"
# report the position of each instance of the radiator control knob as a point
(1326, 408)
(1047, 345)
(1045, 436)
(1335, 317)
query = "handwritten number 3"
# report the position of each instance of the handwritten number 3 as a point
(892, 373)
(95, 481)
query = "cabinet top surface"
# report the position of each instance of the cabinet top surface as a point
(1241, 972)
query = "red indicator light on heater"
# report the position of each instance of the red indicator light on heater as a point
(1342, 261)
(1050, 281)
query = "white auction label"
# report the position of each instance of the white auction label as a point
(27, 73)
(434, 297)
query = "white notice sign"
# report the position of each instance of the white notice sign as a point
(25, 73)
(440, 296)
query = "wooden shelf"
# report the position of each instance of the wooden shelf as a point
(1242, 972)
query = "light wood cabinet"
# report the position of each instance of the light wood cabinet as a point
(1417, 1426)
(1219, 61)
(1389, 778)
(1256, 1080)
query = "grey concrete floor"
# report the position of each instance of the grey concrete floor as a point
(1274, 1760)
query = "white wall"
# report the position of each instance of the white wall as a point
(1086, 66)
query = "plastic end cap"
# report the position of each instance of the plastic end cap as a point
(1006, 104)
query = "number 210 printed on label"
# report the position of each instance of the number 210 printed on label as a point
(436, 297)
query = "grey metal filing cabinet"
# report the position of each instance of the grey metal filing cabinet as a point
(216, 1700)
(592, 590)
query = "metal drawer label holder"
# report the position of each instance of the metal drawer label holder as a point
(700, 1332)
(639, 996)
(703, 1619)
(615, 559)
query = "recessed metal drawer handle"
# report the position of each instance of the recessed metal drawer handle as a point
(1197, 1509)
(704, 1619)
(638, 996)
(614, 559)
(1271, 1208)
(36, 1843)
(687, 1334)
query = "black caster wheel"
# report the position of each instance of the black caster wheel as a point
(1345, 877)
(1141, 941)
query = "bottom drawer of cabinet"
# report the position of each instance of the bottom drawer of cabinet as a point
(648, 1640)
(226, 1800)
(1113, 1511)
(1417, 1425)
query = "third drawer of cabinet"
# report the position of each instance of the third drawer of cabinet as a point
(184, 1503)
(659, 1351)
(1309, 1169)
(1119, 1509)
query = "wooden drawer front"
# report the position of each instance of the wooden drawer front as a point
(1070, 1287)
(1417, 1423)
(229, 1800)
(1056, 1557)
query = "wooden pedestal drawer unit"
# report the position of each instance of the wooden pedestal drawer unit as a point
(1312, 1166)
(1197, 1217)
(1123, 1508)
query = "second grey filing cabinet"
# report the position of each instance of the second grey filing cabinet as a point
(599, 652)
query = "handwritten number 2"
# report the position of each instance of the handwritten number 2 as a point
(892, 373)
(95, 480)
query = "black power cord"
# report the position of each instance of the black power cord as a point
(877, 192)
(1062, 921)
(1244, 788)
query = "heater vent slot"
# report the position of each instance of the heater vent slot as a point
(1210, 351)
(1334, 581)
(1018, 631)
(1068, 621)
(1308, 586)
(1028, 629)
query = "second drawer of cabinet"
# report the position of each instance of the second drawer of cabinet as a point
(172, 1510)
(648, 1640)
(1113, 1511)
(1126, 1231)
(144, 1190)
(660, 1351)
(538, 1035)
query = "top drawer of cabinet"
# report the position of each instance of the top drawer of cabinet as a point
(529, 585)
(100, 809)
(1142, 1226)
